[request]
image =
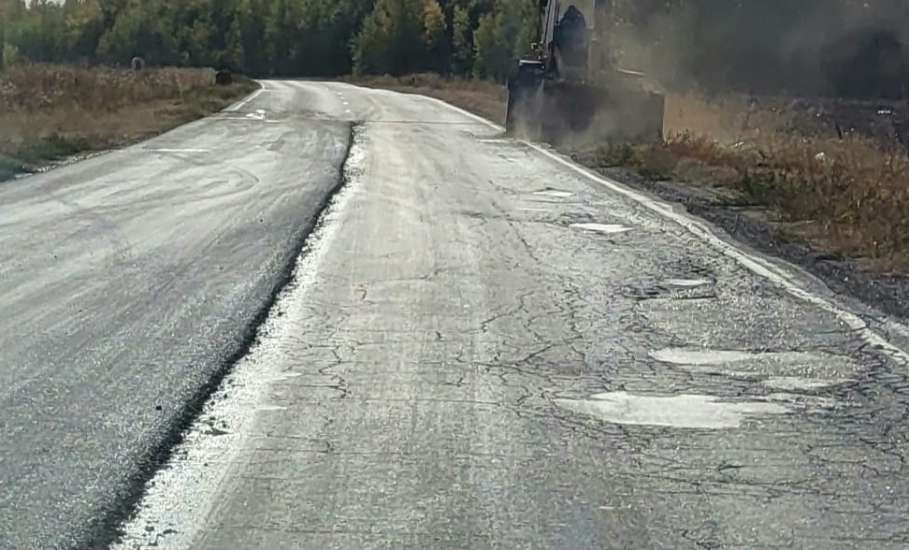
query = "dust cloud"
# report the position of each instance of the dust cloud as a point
(838, 48)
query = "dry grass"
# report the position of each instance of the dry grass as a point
(51, 112)
(482, 97)
(726, 119)
(846, 196)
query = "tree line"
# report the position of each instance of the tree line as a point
(276, 37)
(766, 46)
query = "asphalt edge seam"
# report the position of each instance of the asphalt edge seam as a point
(109, 529)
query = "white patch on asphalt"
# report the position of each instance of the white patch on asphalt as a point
(699, 357)
(687, 283)
(789, 383)
(554, 194)
(680, 411)
(797, 369)
(609, 229)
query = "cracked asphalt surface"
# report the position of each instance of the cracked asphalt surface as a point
(480, 347)
(484, 349)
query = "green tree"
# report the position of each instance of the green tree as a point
(462, 41)
(502, 36)
(247, 39)
(233, 54)
(141, 30)
(435, 35)
(84, 28)
(280, 33)
(370, 46)
(392, 39)
(489, 53)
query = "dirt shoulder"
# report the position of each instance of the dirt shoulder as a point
(52, 113)
(835, 208)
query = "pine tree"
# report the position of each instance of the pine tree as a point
(435, 35)
(462, 41)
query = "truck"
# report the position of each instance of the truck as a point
(571, 87)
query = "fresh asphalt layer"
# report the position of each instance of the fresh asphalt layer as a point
(482, 345)
(127, 283)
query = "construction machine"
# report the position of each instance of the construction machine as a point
(571, 88)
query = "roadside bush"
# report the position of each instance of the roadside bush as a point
(10, 55)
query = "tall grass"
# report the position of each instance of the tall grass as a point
(49, 111)
(854, 191)
(36, 88)
(850, 196)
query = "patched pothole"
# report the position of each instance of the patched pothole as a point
(796, 379)
(688, 283)
(605, 228)
(790, 383)
(679, 411)
(554, 194)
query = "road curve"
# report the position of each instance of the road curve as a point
(127, 283)
(484, 346)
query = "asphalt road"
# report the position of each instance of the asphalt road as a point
(484, 346)
(481, 346)
(127, 282)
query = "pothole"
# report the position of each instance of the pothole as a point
(608, 229)
(680, 411)
(673, 289)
